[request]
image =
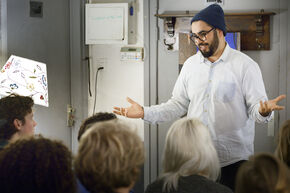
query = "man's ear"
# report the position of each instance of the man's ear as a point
(220, 32)
(17, 123)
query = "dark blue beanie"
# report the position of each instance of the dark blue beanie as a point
(213, 15)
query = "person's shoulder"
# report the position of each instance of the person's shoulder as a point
(190, 64)
(241, 57)
(81, 188)
(192, 60)
(203, 184)
(155, 186)
(221, 188)
(218, 188)
(3, 143)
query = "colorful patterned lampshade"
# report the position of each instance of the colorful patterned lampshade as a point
(24, 77)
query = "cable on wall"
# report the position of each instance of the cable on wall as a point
(89, 75)
(96, 85)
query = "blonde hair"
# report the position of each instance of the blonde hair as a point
(283, 146)
(109, 157)
(263, 173)
(188, 150)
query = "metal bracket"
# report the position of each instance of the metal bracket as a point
(259, 29)
(70, 116)
(170, 22)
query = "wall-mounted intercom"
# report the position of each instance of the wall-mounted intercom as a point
(131, 54)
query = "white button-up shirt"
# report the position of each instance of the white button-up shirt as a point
(224, 95)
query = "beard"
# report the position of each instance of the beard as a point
(212, 47)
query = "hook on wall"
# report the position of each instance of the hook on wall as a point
(169, 46)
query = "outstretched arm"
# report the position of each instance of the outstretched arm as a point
(175, 107)
(134, 111)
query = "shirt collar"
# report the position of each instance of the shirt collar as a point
(225, 53)
(223, 57)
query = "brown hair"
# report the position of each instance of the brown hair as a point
(109, 157)
(13, 107)
(36, 164)
(283, 146)
(263, 173)
(94, 119)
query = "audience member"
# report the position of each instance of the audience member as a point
(263, 173)
(94, 119)
(109, 158)
(16, 118)
(190, 161)
(283, 146)
(38, 165)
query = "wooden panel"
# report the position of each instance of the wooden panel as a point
(254, 27)
(186, 47)
(254, 35)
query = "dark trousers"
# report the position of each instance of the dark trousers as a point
(228, 174)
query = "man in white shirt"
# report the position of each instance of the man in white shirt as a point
(222, 87)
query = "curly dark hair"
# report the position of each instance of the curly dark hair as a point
(38, 165)
(94, 119)
(13, 107)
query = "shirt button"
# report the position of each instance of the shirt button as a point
(205, 111)
(207, 95)
(209, 81)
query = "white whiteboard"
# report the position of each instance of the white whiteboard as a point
(107, 23)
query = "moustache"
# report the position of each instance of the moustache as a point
(201, 44)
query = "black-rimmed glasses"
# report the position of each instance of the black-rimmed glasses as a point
(201, 35)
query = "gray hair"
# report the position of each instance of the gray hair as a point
(188, 150)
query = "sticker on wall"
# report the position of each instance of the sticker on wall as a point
(24, 77)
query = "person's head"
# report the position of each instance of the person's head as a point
(188, 150)
(283, 146)
(36, 164)
(263, 173)
(109, 157)
(208, 30)
(94, 119)
(16, 116)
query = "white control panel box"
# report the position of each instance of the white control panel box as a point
(131, 54)
(106, 23)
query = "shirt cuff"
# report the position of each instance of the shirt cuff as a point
(265, 119)
(146, 114)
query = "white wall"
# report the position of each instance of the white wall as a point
(3, 32)
(46, 40)
(118, 79)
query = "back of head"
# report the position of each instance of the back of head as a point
(36, 164)
(98, 117)
(263, 173)
(13, 107)
(188, 150)
(283, 146)
(109, 157)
